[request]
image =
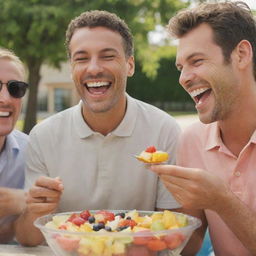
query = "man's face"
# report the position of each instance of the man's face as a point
(100, 68)
(10, 107)
(211, 83)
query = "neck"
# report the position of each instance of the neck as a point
(237, 131)
(105, 122)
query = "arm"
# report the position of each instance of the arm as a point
(198, 189)
(12, 203)
(43, 198)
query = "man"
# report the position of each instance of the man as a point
(12, 142)
(90, 148)
(216, 176)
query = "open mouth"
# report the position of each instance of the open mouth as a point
(5, 114)
(98, 88)
(200, 94)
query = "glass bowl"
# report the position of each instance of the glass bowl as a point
(124, 243)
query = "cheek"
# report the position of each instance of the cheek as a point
(76, 72)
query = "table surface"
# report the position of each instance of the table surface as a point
(18, 250)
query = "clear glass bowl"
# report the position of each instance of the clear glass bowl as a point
(144, 243)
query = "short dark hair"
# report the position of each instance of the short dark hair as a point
(231, 22)
(97, 18)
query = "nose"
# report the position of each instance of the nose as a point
(4, 94)
(186, 76)
(94, 66)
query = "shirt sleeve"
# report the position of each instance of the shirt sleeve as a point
(35, 166)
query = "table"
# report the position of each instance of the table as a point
(17, 250)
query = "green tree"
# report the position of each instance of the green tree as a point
(35, 30)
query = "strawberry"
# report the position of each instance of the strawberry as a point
(108, 216)
(85, 214)
(78, 221)
(72, 216)
(124, 223)
(151, 149)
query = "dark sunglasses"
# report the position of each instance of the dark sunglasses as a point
(16, 89)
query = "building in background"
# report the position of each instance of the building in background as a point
(56, 89)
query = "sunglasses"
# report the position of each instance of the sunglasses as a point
(16, 89)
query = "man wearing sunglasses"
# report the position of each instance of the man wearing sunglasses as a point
(12, 142)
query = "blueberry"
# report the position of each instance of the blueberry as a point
(91, 219)
(96, 227)
(108, 228)
(121, 228)
(99, 226)
(121, 214)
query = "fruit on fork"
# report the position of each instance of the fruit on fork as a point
(152, 156)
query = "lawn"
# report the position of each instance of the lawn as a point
(19, 124)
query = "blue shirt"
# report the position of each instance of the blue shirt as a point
(12, 160)
(12, 164)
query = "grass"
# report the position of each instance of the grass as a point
(181, 113)
(20, 123)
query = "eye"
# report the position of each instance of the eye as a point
(108, 57)
(197, 62)
(81, 59)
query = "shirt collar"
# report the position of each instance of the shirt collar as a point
(124, 129)
(11, 143)
(213, 139)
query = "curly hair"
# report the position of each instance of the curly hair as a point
(97, 18)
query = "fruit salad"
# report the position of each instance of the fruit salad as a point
(152, 156)
(118, 234)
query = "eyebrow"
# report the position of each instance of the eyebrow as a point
(188, 58)
(102, 51)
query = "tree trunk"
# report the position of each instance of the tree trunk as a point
(31, 109)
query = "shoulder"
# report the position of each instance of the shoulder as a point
(153, 113)
(20, 137)
(195, 137)
(53, 124)
(196, 130)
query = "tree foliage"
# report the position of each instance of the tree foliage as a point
(35, 30)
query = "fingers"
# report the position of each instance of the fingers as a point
(44, 196)
(41, 208)
(176, 171)
(50, 183)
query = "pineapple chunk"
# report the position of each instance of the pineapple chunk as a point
(169, 219)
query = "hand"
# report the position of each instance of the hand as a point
(12, 201)
(44, 196)
(193, 188)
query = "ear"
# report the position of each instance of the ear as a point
(243, 54)
(130, 66)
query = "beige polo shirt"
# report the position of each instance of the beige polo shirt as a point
(100, 172)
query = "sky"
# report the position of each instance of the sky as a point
(160, 33)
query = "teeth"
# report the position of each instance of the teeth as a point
(198, 91)
(4, 114)
(97, 84)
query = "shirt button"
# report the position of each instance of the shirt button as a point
(237, 174)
